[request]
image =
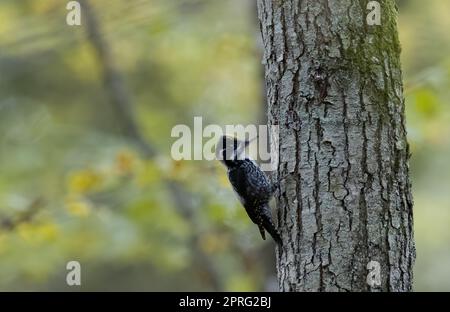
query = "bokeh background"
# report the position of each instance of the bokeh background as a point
(85, 133)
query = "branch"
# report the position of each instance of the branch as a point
(113, 82)
(10, 223)
(121, 102)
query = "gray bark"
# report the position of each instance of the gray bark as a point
(335, 91)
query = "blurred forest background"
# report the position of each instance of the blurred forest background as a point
(85, 120)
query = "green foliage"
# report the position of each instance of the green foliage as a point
(72, 187)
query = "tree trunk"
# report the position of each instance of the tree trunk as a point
(335, 91)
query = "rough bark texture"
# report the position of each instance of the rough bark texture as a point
(335, 90)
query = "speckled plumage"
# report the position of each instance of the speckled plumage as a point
(253, 190)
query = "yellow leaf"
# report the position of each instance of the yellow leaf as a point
(84, 181)
(35, 233)
(125, 162)
(48, 231)
(78, 208)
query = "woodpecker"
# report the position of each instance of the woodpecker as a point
(249, 182)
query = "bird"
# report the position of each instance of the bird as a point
(249, 182)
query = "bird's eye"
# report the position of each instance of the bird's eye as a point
(228, 154)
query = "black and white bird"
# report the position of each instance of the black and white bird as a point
(249, 182)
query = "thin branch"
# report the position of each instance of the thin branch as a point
(11, 223)
(121, 101)
(112, 79)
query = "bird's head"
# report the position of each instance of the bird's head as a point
(229, 149)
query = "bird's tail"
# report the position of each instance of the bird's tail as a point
(270, 227)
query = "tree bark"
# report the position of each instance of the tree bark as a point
(335, 91)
